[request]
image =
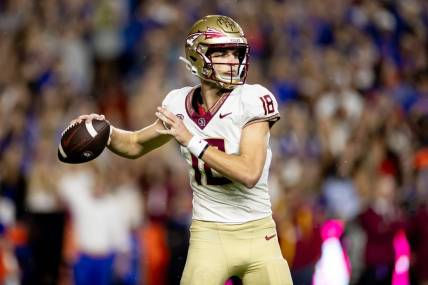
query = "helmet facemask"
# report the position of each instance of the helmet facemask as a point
(237, 71)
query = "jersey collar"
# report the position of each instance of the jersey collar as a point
(202, 120)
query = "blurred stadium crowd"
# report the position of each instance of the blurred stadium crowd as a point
(351, 77)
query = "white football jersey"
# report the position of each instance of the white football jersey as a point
(215, 197)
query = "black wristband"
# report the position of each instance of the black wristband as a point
(203, 151)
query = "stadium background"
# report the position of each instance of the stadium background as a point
(351, 78)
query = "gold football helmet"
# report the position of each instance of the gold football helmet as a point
(211, 33)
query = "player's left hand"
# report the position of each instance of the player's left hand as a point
(174, 126)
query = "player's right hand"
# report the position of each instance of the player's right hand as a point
(174, 126)
(89, 117)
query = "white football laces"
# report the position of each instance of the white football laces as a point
(69, 127)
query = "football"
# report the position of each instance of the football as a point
(84, 141)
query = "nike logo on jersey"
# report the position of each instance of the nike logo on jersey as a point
(224, 115)
(270, 237)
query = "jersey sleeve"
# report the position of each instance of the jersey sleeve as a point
(174, 98)
(259, 105)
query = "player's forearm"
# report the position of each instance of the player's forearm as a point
(135, 144)
(239, 168)
(124, 143)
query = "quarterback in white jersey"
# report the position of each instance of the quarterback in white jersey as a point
(223, 128)
(215, 197)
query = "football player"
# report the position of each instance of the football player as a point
(222, 126)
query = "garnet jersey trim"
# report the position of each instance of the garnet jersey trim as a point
(272, 119)
(202, 120)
